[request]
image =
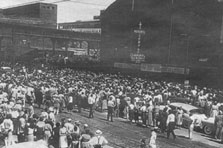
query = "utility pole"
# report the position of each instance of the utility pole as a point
(138, 57)
(133, 3)
(171, 30)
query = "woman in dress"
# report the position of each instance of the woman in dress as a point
(30, 134)
(214, 110)
(63, 137)
(152, 143)
(180, 117)
(150, 115)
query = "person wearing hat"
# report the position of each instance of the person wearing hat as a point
(98, 141)
(170, 124)
(48, 129)
(18, 105)
(70, 129)
(63, 136)
(57, 104)
(152, 142)
(70, 103)
(51, 115)
(218, 124)
(111, 106)
(22, 128)
(91, 102)
(86, 130)
(7, 130)
(39, 96)
(56, 135)
(77, 127)
(40, 128)
(85, 136)
(44, 114)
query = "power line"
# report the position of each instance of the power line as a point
(87, 3)
(60, 1)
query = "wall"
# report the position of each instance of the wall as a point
(195, 27)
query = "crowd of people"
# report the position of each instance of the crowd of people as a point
(135, 99)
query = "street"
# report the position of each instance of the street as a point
(122, 134)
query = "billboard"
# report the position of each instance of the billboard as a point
(87, 30)
(78, 51)
(151, 67)
(127, 65)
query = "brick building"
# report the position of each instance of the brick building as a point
(32, 27)
(40, 14)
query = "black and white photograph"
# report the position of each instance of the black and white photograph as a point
(111, 73)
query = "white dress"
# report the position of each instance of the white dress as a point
(152, 142)
(63, 138)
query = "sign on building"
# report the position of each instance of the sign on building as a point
(78, 51)
(94, 54)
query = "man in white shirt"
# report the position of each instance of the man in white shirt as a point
(7, 127)
(143, 110)
(131, 111)
(170, 124)
(111, 106)
(91, 101)
(98, 140)
(70, 129)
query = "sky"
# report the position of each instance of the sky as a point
(68, 10)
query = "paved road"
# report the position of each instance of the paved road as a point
(123, 134)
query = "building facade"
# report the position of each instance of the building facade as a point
(33, 27)
(41, 14)
(184, 33)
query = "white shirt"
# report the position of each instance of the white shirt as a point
(51, 116)
(143, 108)
(131, 106)
(7, 124)
(69, 127)
(111, 103)
(98, 140)
(170, 118)
(70, 99)
(91, 100)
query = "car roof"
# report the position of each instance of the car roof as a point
(184, 106)
(5, 67)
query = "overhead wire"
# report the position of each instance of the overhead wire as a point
(59, 1)
(77, 1)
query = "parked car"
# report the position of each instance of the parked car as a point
(190, 109)
(208, 125)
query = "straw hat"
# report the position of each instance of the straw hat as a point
(51, 109)
(85, 125)
(19, 102)
(77, 122)
(98, 132)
